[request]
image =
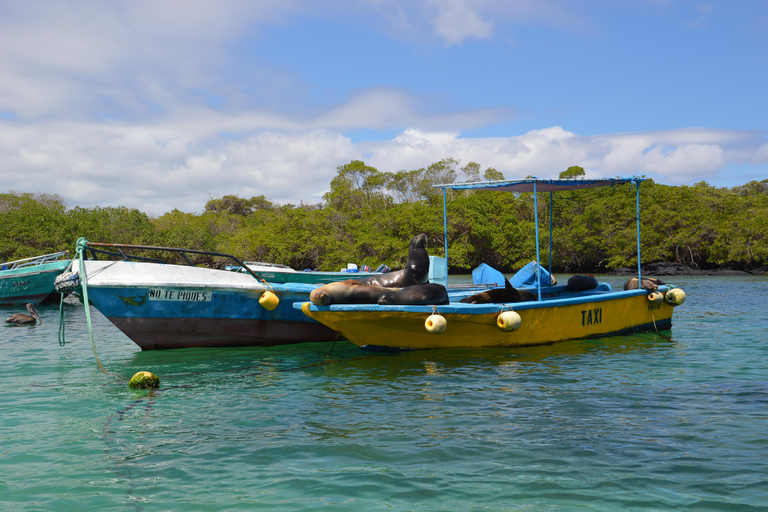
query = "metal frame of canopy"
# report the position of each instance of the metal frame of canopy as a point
(542, 185)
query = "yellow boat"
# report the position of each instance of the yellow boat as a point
(557, 314)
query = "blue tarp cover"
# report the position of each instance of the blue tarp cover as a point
(526, 276)
(486, 274)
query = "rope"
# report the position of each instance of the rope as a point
(62, 340)
(338, 336)
(653, 317)
(81, 246)
(84, 282)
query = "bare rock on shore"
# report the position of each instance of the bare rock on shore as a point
(678, 269)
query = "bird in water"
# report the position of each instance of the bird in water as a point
(22, 319)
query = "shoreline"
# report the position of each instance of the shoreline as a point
(678, 269)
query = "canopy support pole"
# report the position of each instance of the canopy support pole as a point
(536, 222)
(637, 207)
(551, 200)
(445, 234)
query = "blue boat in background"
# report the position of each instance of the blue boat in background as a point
(31, 280)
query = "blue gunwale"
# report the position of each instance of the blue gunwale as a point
(457, 307)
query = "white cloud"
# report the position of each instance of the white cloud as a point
(761, 155)
(125, 57)
(157, 169)
(672, 157)
(456, 21)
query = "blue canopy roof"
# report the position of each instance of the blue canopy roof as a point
(542, 185)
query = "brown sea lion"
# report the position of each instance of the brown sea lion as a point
(347, 292)
(500, 295)
(649, 283)
(430, 293)
(416, 269)
(582, 283)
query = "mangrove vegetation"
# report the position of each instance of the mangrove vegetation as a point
(368, 217)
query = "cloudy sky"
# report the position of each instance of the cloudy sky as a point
(164, 104)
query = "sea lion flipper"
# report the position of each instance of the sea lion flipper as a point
(430, 293)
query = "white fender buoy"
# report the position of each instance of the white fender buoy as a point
(675, 297)
(269, 300)
(435, 324)
(655, 297)
(508, 321)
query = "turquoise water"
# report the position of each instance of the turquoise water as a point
(640, 422)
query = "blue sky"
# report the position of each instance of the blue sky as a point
(166, 104)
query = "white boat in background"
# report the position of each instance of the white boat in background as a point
(277, 273)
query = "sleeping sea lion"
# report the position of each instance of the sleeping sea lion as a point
(416, 269)
(499, 295)
(430, 293)
(347, 292)
(582, 283)
(649, 283)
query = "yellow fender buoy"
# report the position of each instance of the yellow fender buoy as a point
(144, 380)
(508, 321)
(269, 300)
(435, 324)
(656, 297)
(675, 297)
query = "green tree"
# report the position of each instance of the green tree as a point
(235, 205)
(471, 171)
(31, 225)
(573, 172)
(357, 186)
(492, 174)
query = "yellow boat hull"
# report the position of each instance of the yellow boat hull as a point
(403, 327)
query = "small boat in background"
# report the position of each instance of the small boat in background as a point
(31, 280)
(276, 273)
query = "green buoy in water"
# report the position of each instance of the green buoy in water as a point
(144, 380)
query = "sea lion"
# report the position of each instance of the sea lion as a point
(416, 269)
(582, 283)
(649, 283)
(500, 295)
(347, 292)
(430, 293)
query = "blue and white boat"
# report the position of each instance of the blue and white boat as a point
(167, 306)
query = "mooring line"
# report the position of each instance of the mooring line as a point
(653, 317)
(125, 471)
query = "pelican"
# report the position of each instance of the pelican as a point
(22, 319)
